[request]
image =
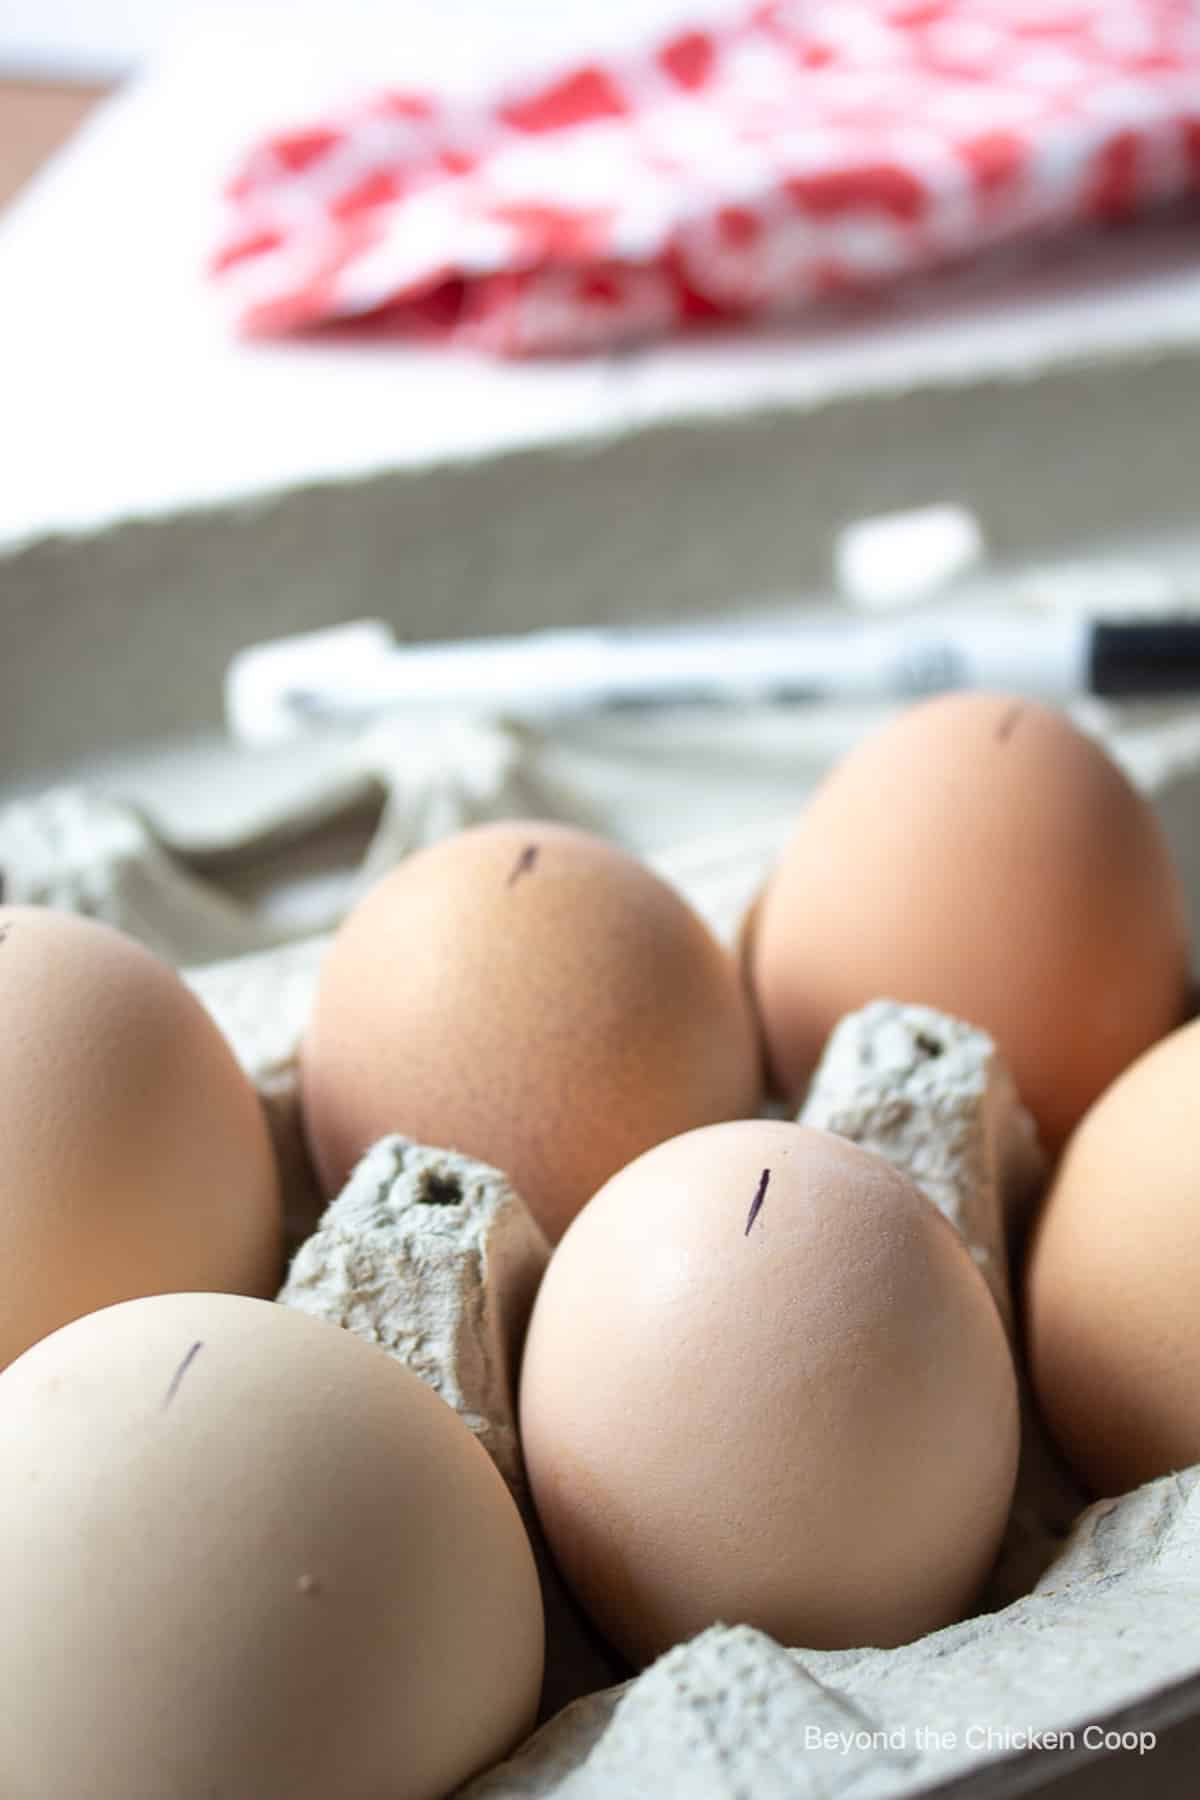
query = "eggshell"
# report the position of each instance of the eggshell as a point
(764, 1383)
(531, 996)
(136, 1155)
(1113, 1278)
(981, 855)
(244, 1553)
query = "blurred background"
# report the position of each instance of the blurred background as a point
(176, 492)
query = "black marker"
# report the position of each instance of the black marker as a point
(351, 674)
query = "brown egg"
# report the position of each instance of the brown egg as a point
(981, 855)
(532, 996)
(244, 1553)
(136, 1156)
(765, 1383)
(1114, 1274)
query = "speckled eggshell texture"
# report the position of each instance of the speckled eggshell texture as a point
(1113, 1278)
(981, 855)
(136, 1157)
(764, 1383)
(532, 996)
(243, 1553)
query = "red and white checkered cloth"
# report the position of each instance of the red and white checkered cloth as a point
(807, 148)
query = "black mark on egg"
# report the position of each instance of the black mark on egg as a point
(760, 1195)
(524, 865)
(1008, 724)
(181, 1371)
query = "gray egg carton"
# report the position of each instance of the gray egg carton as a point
(1086, 1644)
(1090, 1613)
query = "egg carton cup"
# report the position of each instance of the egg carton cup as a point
(1090, 1610)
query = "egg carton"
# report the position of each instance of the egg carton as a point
(1087, 1626)
(1086, 1630)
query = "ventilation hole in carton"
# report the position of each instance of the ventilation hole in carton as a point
(437, 1189)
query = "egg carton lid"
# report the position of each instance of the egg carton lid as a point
(200, 494)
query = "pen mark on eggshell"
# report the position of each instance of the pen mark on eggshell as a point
(181, 1371)
(1008, 724)
(524, 865)
(756, 1204)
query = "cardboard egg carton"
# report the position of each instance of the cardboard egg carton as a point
(1088, 1624)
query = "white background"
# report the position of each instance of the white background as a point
(100, 39)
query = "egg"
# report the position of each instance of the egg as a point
(244, 1553)
(981, 855)
(765, 1383)
(532, 996)
(136, 1155)
(1113, 1275)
